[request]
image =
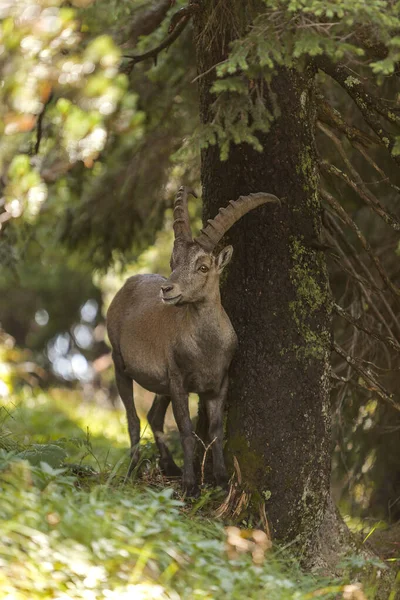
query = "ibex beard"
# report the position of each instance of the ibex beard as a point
(173, 337)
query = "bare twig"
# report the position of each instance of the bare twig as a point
(373, 333)
(206, 449)
(338, 208)
(359, 139)
(359, 187)
(367, 376)
(349, 380)
(351, 251)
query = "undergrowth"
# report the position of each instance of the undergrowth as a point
(73, 526)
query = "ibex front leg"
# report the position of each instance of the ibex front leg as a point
(214, 404)
(156, 418)
(180, 407)
(125, 389)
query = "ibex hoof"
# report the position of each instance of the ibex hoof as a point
(191, 491)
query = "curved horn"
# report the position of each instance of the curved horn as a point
(181, 223)
(217, 227)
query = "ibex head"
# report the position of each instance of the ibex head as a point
(195, 269)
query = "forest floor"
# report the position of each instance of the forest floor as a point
(73, 526)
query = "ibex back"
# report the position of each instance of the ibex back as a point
(173, 337)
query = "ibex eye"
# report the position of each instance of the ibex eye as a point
(204, 269)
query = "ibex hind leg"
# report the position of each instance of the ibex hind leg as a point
(156, 418)
(125, 389)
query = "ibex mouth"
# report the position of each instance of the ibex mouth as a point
(173, 300)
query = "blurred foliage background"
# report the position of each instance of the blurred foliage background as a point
(91, 155)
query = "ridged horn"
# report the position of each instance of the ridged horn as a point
(181, 223)
(226, 217)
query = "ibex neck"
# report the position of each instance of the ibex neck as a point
(207, 308)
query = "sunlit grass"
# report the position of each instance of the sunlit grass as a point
(43, 418)
(92, 534)
(58, 541)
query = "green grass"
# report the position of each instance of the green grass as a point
(86, 532)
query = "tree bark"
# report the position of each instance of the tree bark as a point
(277, 295)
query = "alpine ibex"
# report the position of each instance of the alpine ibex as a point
(172, 336)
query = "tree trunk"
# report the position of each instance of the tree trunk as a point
(277, 295)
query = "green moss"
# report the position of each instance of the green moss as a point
(307, 168)
(351, 81)
(312, 295)
(250, 462)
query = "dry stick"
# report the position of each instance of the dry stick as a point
(366, 374)
(373, 333)
(206, 449)
(335, 226)
(347, 219)
(361, 190)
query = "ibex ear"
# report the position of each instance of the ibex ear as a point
(223, 258)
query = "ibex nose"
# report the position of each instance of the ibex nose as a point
(167, 288)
